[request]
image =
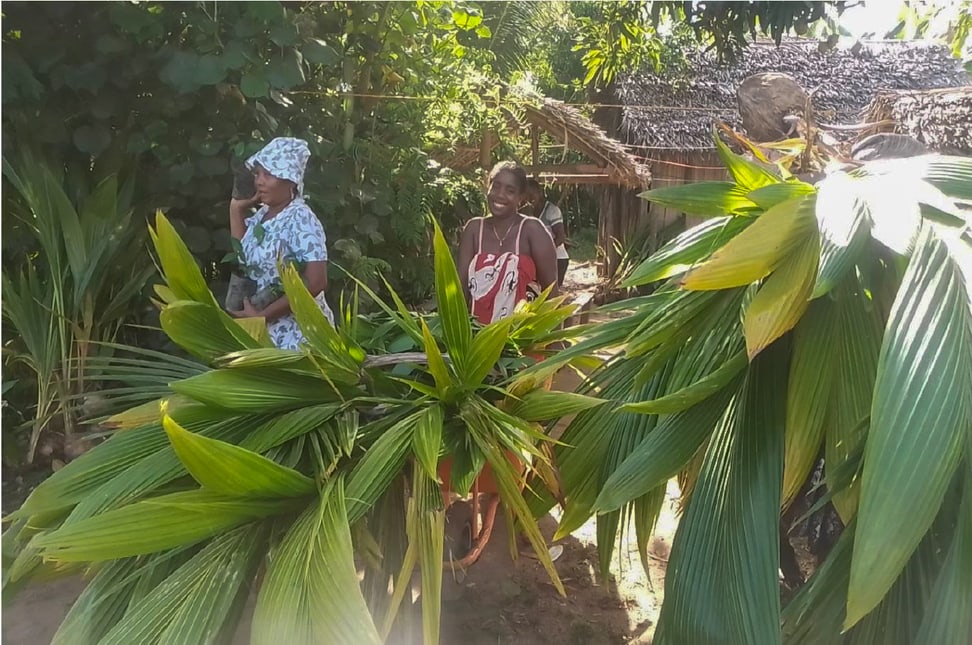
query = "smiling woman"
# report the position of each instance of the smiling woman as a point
(506, 258)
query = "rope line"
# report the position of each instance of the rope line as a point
(406, 97)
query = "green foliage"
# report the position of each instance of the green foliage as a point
(284, 462)
(834, 317)
(73, 273)
(194, 88)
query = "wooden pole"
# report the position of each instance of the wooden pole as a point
(535, 143)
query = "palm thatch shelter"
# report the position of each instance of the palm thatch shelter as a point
(667, 119)
(940, 119)
(528, 114)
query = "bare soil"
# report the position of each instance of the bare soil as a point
(497, 601)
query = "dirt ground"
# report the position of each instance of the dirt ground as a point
(497, 601)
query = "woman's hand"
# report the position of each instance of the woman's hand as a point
(248, 310)
(239, 210)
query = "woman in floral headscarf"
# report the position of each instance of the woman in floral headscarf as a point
(284, 228)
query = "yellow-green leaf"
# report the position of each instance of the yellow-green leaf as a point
(437, 364)
(231, 470)
(246, 390)
(543, 405)
(311, 592)
(427, 440)
(704, 198)
(203, 330)
(317, 329)
(747, 174)
(155, 524)
(453, 310)
(485, 351)
(179, 267)
(755, 252)
(783, 298)
(808, 396)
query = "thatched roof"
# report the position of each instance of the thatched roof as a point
(676, 110)
(567, 126)
(941, 119)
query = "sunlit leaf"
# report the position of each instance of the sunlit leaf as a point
(231, 470)
(756, 251)
(311, 592)
(783, 297)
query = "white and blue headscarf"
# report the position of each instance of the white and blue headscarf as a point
(284, 158)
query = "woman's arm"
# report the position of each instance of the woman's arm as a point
(544, 254)
(467, 249)
(239, 210)
(315, 277)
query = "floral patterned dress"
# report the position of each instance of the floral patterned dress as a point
(294, 235)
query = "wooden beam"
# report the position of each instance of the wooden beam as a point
(535, 143)
(578, 179)
(486, 149)
(568, 169)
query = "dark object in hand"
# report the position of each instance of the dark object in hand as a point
(240, 287)
(243, 186)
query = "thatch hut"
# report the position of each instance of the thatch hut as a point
(529, 114)
(940, 119)
(667, 119)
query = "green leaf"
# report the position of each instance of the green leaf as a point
(381, 463)
(857, 345)
(255, 390)
(192, 604)
(769, 196)
(663, 453)
(92, 139)
(231, 470)
(703, 199)
(426, 529)
(311, 592)
(544, 405)
(919, 417)
(427, 440)
(203, 330)
(808, 396)
(102, 604)
(783, 297)
(317, 329)
(436, 362)
(948, 612)
(453, 310)
(950, 174)
(815, 615)
(509, 490)
(747, 174)
(756, 251)
(155, 524)
(726, 550)
(254, 84)
(318, 52)
(695, 393)
(678, 255)
(486, 348)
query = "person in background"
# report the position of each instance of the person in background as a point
(505, 258)
(284, 228)
(553, 219)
